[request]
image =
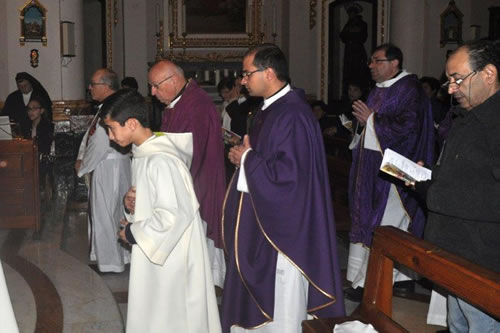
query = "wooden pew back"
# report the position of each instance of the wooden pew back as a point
(475, 284)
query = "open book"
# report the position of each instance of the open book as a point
(402, 168)
(231, 138)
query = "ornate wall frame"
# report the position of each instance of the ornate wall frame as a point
(383, 21)
(178, 38)
(33, 17)
(451, 25)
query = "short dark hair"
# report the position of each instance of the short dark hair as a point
(226, 83)
(392, 52)
(130, 82)
(124, 105)
(270, 56)
(431, 81)
(482, 53)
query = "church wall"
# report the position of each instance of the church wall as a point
(63, 79)
(415, 27)
(4, 72)
(303, 49)
(137, 28)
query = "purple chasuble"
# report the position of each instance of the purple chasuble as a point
(195, 113)
(403, 122)
(288, 209)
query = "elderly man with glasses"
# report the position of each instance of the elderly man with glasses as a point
(464, 194)
(109, 171)
(397, 115)
(189, 109)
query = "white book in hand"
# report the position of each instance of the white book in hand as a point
(402, 168)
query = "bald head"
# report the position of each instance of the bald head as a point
(166, 80)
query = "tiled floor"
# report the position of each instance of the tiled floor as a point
(53, 289)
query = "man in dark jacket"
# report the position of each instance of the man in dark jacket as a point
(464, 195)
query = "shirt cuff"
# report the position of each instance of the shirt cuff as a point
(242, 185)
(128, 234)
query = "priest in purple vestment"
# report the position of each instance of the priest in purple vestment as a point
(190, 109)
(397, 115)
(278, 225)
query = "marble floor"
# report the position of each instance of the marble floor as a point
(52, 288)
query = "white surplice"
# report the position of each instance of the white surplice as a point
(171, 287)
(110, 181)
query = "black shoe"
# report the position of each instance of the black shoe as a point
(355, 295)
(403, 288)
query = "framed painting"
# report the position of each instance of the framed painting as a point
(33, 16)
(214, 23)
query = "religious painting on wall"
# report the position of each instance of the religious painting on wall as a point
(215, 16)
(213, 23)
(451, 25)
(33, 23)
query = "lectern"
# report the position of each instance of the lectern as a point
(19, 189)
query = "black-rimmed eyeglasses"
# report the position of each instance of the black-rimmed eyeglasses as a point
(457, 82)
(246, 75)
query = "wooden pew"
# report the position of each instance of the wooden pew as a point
(475, 284)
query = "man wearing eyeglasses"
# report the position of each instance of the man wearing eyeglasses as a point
(109, 171)
(397, 115)
(279, 229)
(464, 193)
(190, 109)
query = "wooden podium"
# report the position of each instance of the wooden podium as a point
(19, 189)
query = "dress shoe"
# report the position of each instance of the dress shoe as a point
(355, 295)
(403, 288)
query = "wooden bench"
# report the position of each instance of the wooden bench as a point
(475, 284)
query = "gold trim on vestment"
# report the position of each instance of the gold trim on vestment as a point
(238, 262)
(333, 298)
(224, 209)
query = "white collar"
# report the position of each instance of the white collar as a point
(390, 82)
(279, 94)
(172, 104)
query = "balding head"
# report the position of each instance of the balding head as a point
(166, 80)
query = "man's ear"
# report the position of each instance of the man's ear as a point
(491, 73)
(270, 73)
(131, 123)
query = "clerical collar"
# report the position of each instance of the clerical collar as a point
(178, 96)
(27, 97)
(277, 95)
(390, 82)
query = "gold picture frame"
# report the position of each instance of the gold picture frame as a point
(178, 16)
(33, 18)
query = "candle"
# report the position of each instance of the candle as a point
(217, 76)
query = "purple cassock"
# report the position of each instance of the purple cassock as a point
(403, 122)
(196, 113)
(288, 209)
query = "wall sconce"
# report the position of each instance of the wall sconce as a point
(68, 39)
